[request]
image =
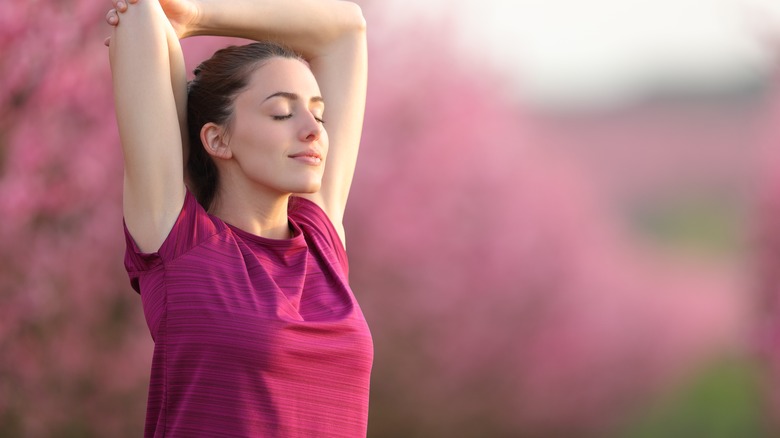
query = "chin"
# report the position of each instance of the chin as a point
(305, 189)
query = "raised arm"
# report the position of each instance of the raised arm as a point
(150, 99)
(330, 34)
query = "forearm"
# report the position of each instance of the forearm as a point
(145, 102)
(308, 26)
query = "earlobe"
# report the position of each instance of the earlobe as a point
(214, 142)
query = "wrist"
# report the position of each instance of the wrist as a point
(198, 21)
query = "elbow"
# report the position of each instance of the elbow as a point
(354, 19)
(340, 29)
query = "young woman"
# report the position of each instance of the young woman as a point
(243, 271)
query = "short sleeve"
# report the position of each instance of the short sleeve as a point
(308, 213)
(192, 227)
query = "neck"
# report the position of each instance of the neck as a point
(254, 211)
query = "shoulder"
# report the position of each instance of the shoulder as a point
(316, 224)
(192, 226)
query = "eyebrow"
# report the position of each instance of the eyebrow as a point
(293, 96)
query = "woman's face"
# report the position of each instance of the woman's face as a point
(277, 138)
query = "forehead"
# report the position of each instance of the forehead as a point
(283, 74)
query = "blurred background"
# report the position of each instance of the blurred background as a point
(564, 221)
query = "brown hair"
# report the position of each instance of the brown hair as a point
(210, 98)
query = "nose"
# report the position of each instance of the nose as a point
(311, 130)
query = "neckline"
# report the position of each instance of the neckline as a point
(295, 241)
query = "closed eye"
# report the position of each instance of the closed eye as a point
(287, 116)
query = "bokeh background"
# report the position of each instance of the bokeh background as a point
(564, 223)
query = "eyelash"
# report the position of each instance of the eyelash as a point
(287, 116)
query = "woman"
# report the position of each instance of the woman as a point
(244, 286)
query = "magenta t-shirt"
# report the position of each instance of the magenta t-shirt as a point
(254, 337)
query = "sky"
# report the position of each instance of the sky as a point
(570, 53)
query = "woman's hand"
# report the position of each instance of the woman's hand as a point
(182, 14)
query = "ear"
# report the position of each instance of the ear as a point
(214, 141)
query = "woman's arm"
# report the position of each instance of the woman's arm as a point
(331, 35)
(150, 100)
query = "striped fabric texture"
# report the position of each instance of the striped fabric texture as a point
(254, 337)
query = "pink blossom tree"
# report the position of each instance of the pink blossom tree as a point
(502, 296)
(72, 345)
(766, 259)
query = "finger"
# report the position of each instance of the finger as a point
(112, 18)
(121, 5)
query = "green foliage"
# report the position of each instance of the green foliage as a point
(724, 400)
(703, 226)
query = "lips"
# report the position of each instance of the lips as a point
(310, 157)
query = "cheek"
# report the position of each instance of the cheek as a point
(324, 141)
(259, 139)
